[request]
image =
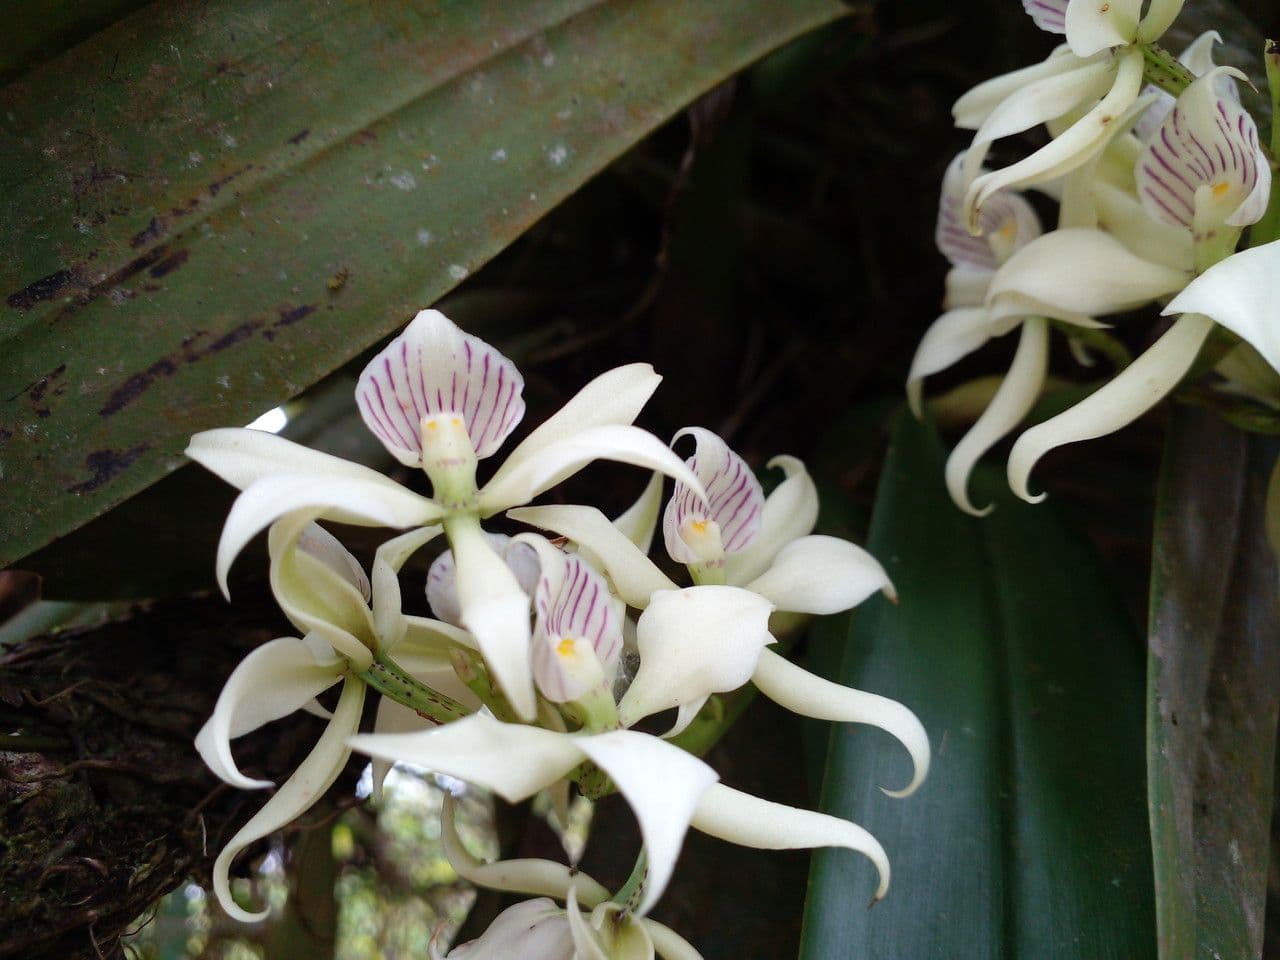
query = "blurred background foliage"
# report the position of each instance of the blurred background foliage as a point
(770, 250)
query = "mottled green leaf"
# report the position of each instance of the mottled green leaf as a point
(209, 206)
(1213, 689)
(1028, 839)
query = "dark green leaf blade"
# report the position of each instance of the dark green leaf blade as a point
(1027, 840)
(1213, 689)
(210, 206)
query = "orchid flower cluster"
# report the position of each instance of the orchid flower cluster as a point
(1155, 184)
(543, 655)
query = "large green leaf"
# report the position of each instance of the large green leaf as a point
(1213, 689)
(1028, 838)
(209, 206)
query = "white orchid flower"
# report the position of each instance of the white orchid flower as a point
(713, 638)
(668, 789)
(442, 399)
(324, 592)
(1204, 172)
(543, 931)
(1079, 91)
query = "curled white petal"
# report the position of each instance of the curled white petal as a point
(790, 512)
(692, 643)
(343, 499)
(616, 397)
(663, 785)
(752, 822)
(1082, 272)
(668, 944)
(804, 693)
(1241, 293)
(1159, 18)
(976, 105)
(954, 335)
(317, 542)
(549, 465)
(241, 457)
(274, 680)
(315, 597)
(635, 577)
(1032, 105)
(966, 287)
(511, 759)
(1013, 400)
(1119, 402)
(442, 576)
(820, 574)
(1073, 147)
(309, 782)
(530, 930)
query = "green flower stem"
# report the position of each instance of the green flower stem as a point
(628, 894)
(1271, 58)
(389, 679)
(1162, 69)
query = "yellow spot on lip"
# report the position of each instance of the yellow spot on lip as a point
(566, 647)
(455, 422)
(1220, 188)
(698, 526)
(432, 425)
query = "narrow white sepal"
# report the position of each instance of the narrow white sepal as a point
(635, 577)
(241, 457)
(309, 782)
(495, 609)
(389, 622)
(274, 680)
(511, 759)
(1159, 18)
(639, 521)
(790, 512)
(560, 460)
(663, 785)
(954, 335)
(802, 692)
(668, 944)
(1013, 400)
(1117, 403)
(343, 499)
(616, 397)
(1073, 147)
(1240, 293)
(820, 575)
(693, 643)
(976, 105)
(752, 822)
(585, 944)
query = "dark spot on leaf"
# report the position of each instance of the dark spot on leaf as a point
(107, 464)
(291, 315)
(136, 386)
(170, 263)
(38, 389)
(301, 135)
(365, 137)
(5, 435)
(242, 332)
(46, 288)
(153, 231)
(217, 185)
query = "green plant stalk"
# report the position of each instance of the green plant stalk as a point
(389, 679)
(1268, 228)
(1163, 69)
(629, 893)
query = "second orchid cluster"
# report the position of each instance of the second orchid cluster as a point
(542, 655)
